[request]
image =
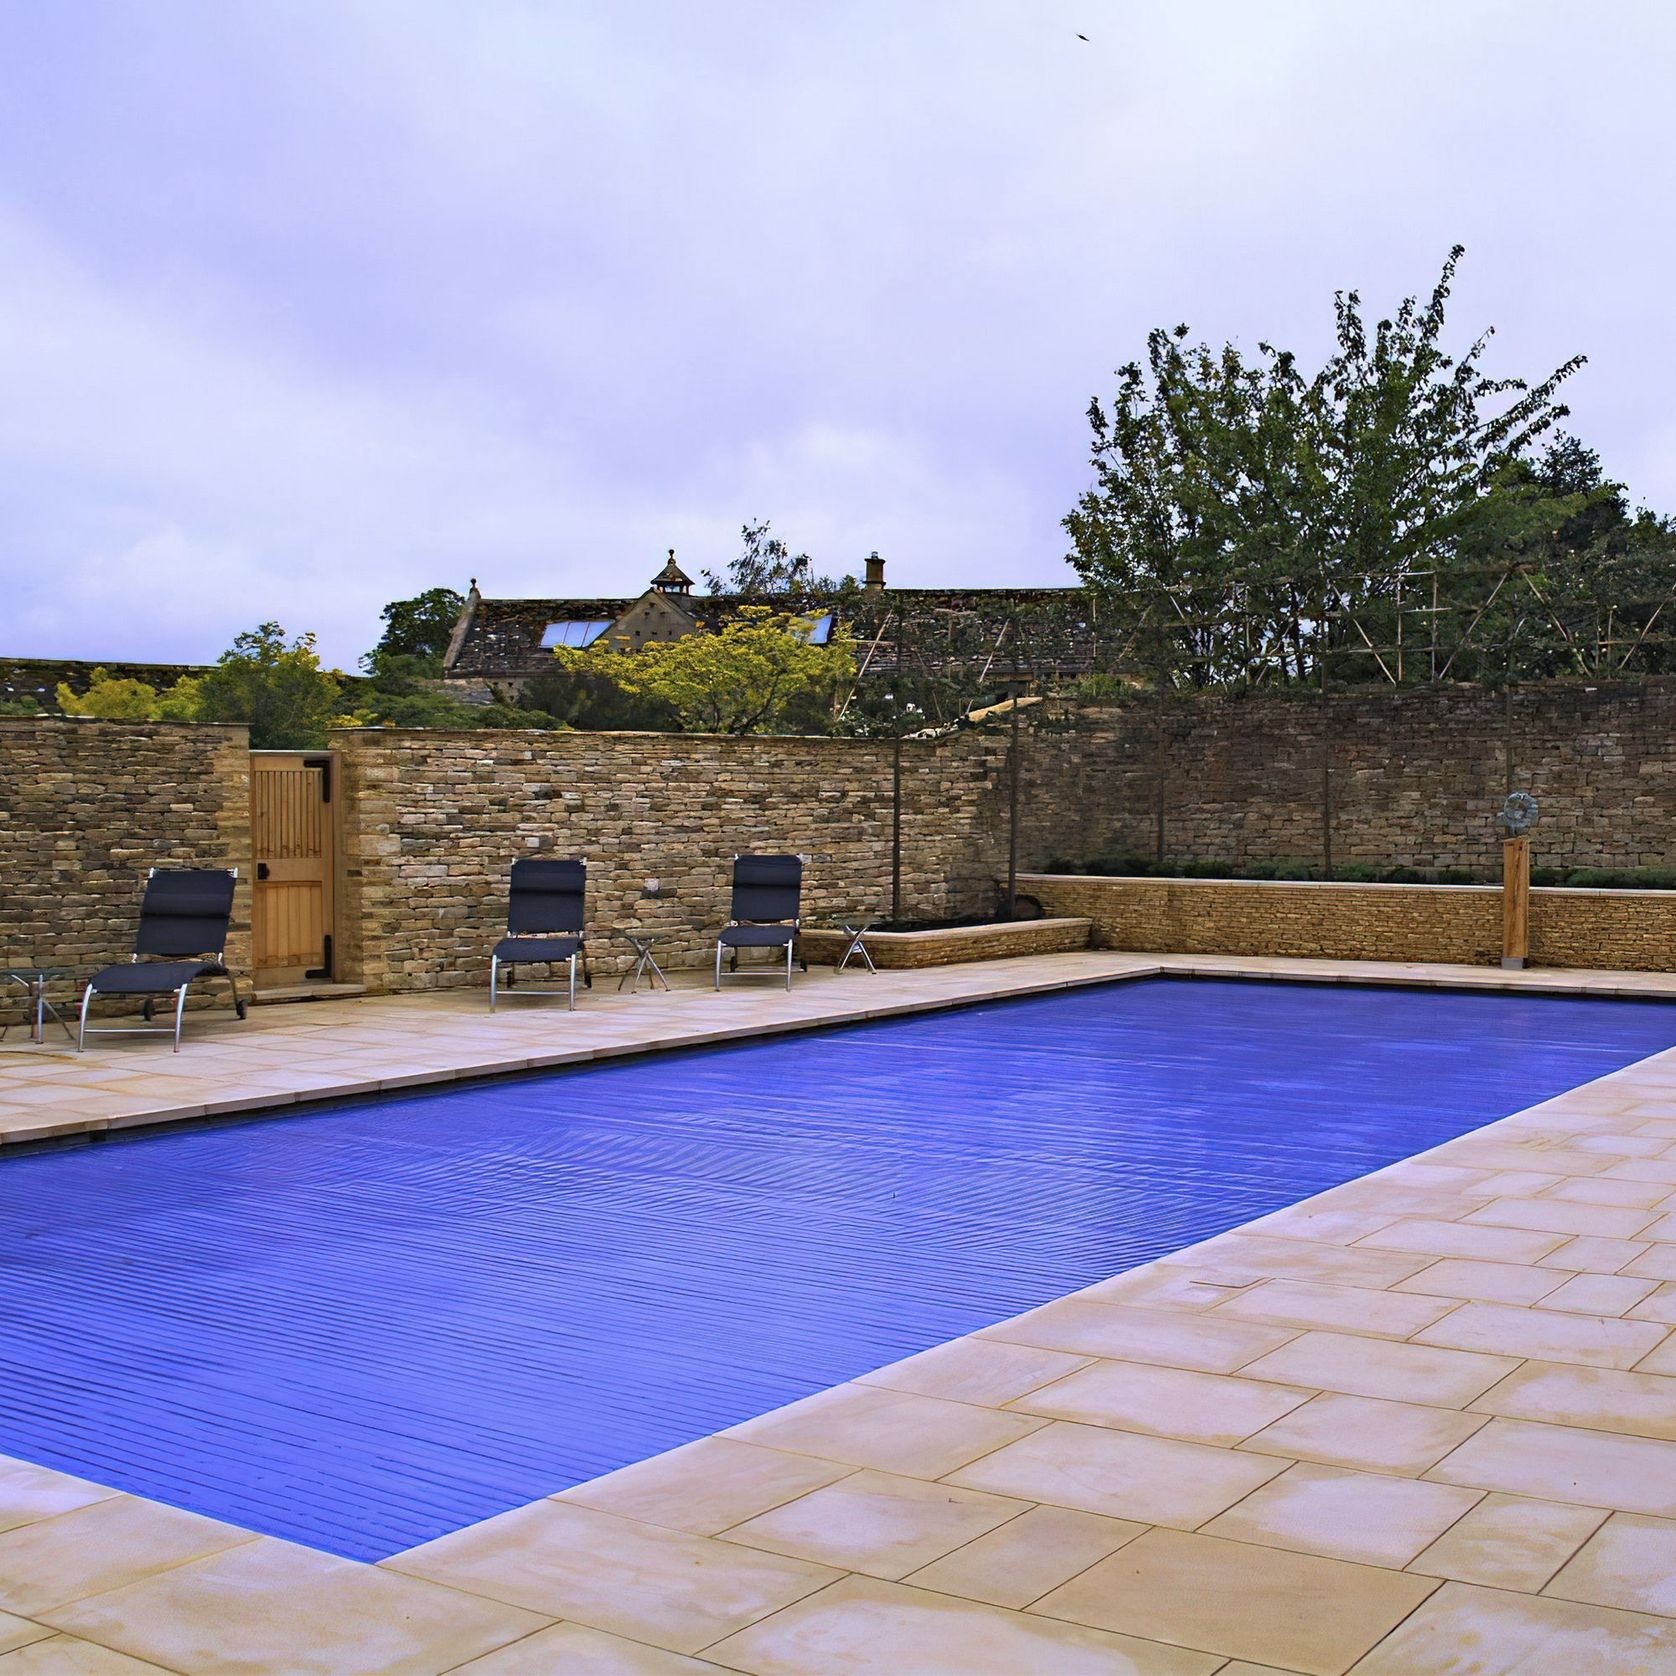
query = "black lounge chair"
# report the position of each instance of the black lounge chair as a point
(767, 898)
(545, 920)
(182, 938)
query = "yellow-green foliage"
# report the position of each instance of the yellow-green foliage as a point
(758, 675)
(181, 702)
(123, 700)
(111, 699)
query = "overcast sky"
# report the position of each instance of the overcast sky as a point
(305, 306)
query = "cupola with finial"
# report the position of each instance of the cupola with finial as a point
(672, 579)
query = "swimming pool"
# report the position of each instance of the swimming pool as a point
(363, 1327)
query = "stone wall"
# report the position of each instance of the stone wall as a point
(1618, 930)
(1413, 776)
(894, 951)
(1603, 929)
(433, 821)
(87, 806)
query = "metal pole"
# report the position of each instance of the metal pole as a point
(1507, 724)
(1012, 810)
(1159, 746)
(1326, 755)
(1159, 775)
(896, 830)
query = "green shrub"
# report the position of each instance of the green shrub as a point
(1619, 878)
(1357, 873)
(1294, 869)
(1291, 868)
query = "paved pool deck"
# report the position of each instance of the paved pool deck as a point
(1422, 1423)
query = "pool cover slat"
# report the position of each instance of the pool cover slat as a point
(366, 1326)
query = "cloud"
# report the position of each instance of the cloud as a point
(307, 306)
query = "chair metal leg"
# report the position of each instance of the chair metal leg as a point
(718, 965)
(788, 968)
(81, 1035)
(573, 983)
(180, 1014)
(494, 979)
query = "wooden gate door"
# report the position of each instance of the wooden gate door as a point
(291, 840)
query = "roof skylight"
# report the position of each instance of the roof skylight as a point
(576, 632)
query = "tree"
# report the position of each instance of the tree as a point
(402, 693)
(182, 702)
(766, 566)
(278, 689)
(584, 695)
(1592, 581)
(417, 628)
(759, 674)
(1245, 514)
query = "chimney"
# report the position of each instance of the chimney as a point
(875, 573)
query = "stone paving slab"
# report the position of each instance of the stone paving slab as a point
(1423, 1422)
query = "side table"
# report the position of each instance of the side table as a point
(33, 978)
(643, 943)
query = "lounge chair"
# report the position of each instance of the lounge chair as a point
(767, 898)
(546, 917)
(182, 939)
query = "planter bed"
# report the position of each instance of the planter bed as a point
(894, 950)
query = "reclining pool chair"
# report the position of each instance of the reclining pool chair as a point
(182, 938)
(767, 898)
(545, 920)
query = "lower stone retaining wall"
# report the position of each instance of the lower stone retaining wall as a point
(1629, 930)
(897, 950)
(1616, 930)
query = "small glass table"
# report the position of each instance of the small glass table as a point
(33, 978)
(643, 943)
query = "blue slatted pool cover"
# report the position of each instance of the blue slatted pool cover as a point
(366, 1326)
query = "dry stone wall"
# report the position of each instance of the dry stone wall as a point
(1413, 777)
(893, 951)
(87, 806)
(434, 820)
(1627, 930)
(1460, 923)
